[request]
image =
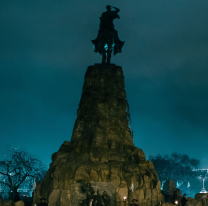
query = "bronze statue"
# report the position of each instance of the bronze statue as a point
(107, 39)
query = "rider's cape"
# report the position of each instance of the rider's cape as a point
(117, 47)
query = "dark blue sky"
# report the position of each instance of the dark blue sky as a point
(45, 48)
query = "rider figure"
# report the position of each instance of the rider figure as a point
(107, 17)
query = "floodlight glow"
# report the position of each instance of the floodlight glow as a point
(132, 187)
(106, 47)
(203, 189)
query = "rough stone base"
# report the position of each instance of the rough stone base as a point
(101, 149)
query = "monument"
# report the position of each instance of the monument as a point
(101, 165)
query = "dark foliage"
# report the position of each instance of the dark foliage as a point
(180, 168)
(176, 166)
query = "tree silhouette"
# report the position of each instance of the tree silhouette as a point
(175, 166)
(20, 166)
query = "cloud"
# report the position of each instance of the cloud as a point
(45, 48)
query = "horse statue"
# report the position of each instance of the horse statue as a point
(107, 39)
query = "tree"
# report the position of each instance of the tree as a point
(176, 166)
(20, 166)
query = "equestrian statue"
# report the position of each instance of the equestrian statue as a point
(107, 39)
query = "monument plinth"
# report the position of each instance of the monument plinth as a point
(101, 156)
(103, 114)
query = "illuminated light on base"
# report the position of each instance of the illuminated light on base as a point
(124, 199)
(176, 202)
(132, 187)
(203, 189)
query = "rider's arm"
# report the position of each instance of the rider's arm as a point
(117, 10)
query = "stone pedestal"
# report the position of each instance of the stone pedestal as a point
(101, 151)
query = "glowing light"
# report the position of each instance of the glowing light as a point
(203, 189)
(176, 202)
(132, 187)
(162, 185)
(179, 183)
(124, 199)
(34, 185)
(106, 47)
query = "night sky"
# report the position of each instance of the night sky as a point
(45, 49)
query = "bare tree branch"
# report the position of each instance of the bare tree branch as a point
(5, 183)
(20, 166)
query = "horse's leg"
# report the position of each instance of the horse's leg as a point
(104, 57)
(110, 45)
(103, 42)
(108, 56)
